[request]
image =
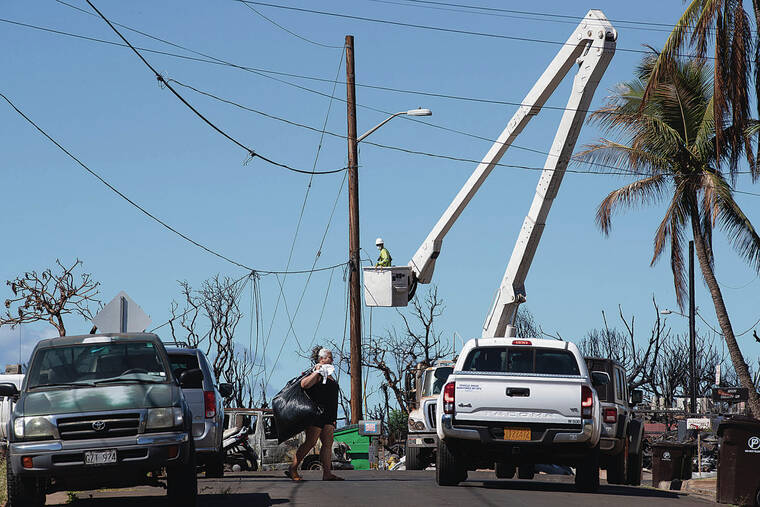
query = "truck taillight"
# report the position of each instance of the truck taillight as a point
(209, 402)
(610, 415)
(587, 402)
(448, 398)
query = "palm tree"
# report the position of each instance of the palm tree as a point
(736, 53)
(669, 141)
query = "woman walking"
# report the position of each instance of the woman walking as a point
(323, 390)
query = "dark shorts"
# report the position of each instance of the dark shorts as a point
(323, 421)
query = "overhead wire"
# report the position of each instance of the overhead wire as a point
(251, 152)
(435, 28)
(294, 34)
(300, 217)
(147, 213)
(615, 170)
(538, 16)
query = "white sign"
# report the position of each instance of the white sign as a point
(698, 423)
(717, 374)
(121, 315)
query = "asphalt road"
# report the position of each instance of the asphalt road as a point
(384, 489)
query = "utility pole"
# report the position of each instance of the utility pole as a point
(355, 302)
(692, 334)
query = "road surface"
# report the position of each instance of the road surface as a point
(385, 489)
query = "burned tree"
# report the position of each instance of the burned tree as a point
(49, 296)
(640, 363)
(208, 322)
(394, 353)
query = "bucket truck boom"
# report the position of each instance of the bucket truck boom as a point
(590, 47)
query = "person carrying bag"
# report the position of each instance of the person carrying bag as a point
(310, 403)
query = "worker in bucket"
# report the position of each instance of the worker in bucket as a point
(384, 261)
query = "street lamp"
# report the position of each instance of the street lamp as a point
(412, 112)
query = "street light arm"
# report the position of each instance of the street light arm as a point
(361, 138)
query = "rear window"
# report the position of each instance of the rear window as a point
(522, 360)
(180, 363)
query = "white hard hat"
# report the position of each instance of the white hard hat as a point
(379, 241)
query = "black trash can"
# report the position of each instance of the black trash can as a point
(687, 463)
(668, 462)
(739, 461)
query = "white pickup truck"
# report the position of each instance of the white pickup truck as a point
(512, 403)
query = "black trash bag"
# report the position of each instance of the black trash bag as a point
(294, 410)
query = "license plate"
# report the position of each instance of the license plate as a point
(101, 457)
(516, 433)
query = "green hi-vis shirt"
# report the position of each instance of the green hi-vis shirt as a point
(385, 258)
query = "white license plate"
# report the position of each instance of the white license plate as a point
(101, 457)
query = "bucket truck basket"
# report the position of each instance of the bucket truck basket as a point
(387, 286)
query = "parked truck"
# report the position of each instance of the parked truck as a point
(621, 444)
(513, 403)
(423, 385)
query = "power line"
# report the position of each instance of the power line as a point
(294, 34)
(144, 210)
(264, 72)
(251, 152)
(615, 170)
(300, 215)
(433, 28)
(665, 27)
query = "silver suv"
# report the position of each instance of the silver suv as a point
(205, 399)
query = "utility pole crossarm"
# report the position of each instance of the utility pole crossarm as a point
(595, 38)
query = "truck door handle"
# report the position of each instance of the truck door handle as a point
(518, 391)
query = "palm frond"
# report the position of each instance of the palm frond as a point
(644, 191)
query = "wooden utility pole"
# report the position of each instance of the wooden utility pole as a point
(692, 334)
(355, 302)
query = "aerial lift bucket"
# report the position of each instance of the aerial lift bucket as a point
(387, 286)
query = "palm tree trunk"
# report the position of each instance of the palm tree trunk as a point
(740, 366)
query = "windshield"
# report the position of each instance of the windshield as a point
(522, 360)
(435, 379)
(89, 364)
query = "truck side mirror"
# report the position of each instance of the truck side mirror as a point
(225, 389)
(600, 378)
(192, 379)
(8, 389)
(637, 396)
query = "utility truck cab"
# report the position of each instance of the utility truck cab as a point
(423, 385)
(514, 402)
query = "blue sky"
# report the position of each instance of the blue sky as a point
(106, 107)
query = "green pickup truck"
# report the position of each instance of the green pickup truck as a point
(100, 411)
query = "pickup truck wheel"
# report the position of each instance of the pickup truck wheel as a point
(526, 471)
(634, 469)
(587, 473)
(182, 481)
(215, 465)
(414, 458)
(616, 469)
(23, 491)
(504, 471)
(448, 472)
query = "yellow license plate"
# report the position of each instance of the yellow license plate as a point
(516, 433)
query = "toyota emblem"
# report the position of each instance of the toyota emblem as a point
(754, 443)
(98, 425)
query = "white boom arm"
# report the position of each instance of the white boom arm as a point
(591, 46)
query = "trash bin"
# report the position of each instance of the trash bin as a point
(687, 463)
(359, 452)
(739, 461)
(671, 461)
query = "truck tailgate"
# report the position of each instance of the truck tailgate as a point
(518, 399)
